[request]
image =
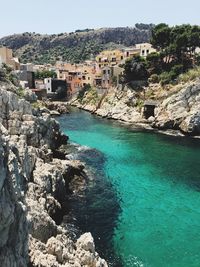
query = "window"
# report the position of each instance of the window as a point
(83, 77)
(88, 78)
(147, 51)
(143, 52)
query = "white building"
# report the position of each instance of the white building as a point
(145, 49)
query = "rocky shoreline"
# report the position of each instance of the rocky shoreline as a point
(176, 114)
(35, 182)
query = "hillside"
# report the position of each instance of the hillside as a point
(74, 47)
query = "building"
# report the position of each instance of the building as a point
(76, 75)
(109, 58)
(39, 84)
(6, 56)
(130, 52)
(26, 75)
(26, 67)
(45, 67)
(106, 77)
(145, 49)
(54, 85)
(149, 108)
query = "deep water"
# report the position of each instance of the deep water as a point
(143, 206)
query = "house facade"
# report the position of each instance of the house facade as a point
(109, 58)
(6, 56)
(145, 49)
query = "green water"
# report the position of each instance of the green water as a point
(157, 180)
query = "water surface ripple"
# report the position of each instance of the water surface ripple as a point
(144, 206)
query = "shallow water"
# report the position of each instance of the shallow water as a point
(143, 207)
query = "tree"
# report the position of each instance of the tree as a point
(154, 63)
(40, 75)
(177, 46)
(61, 92)
(83, 90)
(161, 36)
(135, 69)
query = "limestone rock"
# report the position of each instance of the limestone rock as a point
(181, 110)
(33, 187)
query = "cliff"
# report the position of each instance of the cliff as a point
(177, 109)
(181, 110)
(34, 185)
(74, 47)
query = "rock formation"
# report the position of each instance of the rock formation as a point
(119, 104)
(180, 110)
(33, 188)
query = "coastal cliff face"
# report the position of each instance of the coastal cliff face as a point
(118, 103)
(33, 188)
(178, 109)
(181, 110)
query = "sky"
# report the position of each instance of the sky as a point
(49, 16)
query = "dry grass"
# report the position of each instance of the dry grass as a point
(190, 75)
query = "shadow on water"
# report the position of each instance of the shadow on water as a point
(97, 211)
(159, 220)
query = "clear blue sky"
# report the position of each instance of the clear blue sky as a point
(48, 16)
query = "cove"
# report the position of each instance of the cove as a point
(145, 204)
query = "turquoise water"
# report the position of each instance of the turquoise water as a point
(154, 186)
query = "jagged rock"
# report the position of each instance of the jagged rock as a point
(118, 104)
(181, 110)
(33, 187)
(30, 96)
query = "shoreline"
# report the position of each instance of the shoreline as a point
(140, 126)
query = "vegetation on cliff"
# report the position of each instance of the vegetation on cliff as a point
(75, 47)
(177, 53)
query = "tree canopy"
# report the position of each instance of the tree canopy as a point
(45, 74)
(135, 69)
(176, 45)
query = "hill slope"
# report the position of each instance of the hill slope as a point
(74, 47)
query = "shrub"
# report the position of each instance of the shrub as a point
(177, 69)
(166, 77)
(21, 92)
(2, 75)
(189, 75)
(154, 78)
(82, 92)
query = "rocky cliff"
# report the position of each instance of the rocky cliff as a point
(181, 110)
(116, 103)
(33, 188)
(178, 107)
